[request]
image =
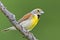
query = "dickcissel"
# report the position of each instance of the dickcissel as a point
(29, 21)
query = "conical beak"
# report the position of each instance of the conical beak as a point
(42, 12)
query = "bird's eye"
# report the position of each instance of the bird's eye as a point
(38, 11)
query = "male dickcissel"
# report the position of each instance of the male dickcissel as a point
(29, 21)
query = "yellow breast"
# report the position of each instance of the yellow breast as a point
(34, 21)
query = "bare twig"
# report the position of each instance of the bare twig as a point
(12, 19)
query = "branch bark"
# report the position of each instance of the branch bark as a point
(12, 19)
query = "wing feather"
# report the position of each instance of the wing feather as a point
(25, 17)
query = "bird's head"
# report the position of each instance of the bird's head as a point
(37, 11)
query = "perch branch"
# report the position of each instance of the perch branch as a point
(12, 19)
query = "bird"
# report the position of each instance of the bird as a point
(29, 20)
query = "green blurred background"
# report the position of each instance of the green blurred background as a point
(48, 27)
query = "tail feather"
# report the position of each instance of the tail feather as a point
(10, 28)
